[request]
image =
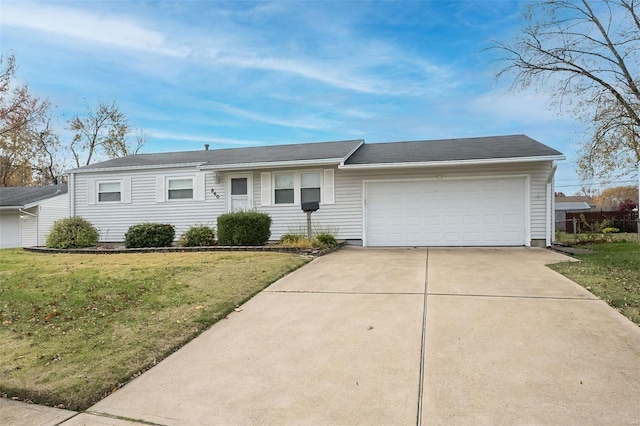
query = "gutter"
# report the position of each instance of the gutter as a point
(125, 168)
(550, 205)
(273, 164)
(451, 162)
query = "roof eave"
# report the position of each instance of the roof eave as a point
(273, 164)
(11, 207)
(483, 161)
(129, 168)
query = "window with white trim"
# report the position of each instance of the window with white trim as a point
(109, 192)
(310, 187)
(284, 188)
(180, 189)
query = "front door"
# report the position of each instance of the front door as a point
(239, 188)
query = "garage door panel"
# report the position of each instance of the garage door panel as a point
(481, 212)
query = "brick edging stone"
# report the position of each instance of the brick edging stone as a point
(272, 249)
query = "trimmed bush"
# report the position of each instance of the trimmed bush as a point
(326, 239)
(244, 229)
(72, 232)
(149, 235)
(198, 236)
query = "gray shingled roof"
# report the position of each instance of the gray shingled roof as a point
(221, 157)
(22, 195)
(514, 146)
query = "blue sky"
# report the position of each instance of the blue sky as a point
(243, 73)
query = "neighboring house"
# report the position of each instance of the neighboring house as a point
(489, 191)
(27, 213)
(564, 205)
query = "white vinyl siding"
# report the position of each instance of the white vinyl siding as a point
(345, 215)
(50, 210)
(341, 210)
(28, 230)
(149, 201)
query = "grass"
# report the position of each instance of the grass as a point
(76, 327)
(612, 273)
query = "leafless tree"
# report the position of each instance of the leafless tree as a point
(587, 54)
(102, 131)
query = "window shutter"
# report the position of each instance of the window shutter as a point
(91, 191)
(199, 194)
(328, 193)
(265, 189)
(126, 190)
(160, 192)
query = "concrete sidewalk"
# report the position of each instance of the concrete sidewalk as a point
(403, 336)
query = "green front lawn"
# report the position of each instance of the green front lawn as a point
(612, 274)
(75, 327)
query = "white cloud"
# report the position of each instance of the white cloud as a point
(159, 134)
(526, 107)
(310, 122)
(89, 27)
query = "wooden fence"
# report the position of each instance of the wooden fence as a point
(624, 221)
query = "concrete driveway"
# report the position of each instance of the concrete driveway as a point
(406, 336)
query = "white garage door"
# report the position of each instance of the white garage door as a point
(483, 212)
(9, 229)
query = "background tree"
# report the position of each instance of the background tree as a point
(587, 53)
(22, 115)
(610, 198)
(102, 132)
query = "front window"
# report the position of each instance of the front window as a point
(180, 189)
(109, 192)
(284, 192)
(309, 187)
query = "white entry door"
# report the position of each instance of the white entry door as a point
(473, 212)
(240, 190)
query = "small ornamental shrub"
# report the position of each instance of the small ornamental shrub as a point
(244, 229)
(72, 232)
(610, 230)
(326, 240)
(198, 236)
(149, 235)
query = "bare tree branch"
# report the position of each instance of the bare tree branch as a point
(588, 54)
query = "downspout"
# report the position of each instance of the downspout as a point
(551, 219)
(72, 194)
